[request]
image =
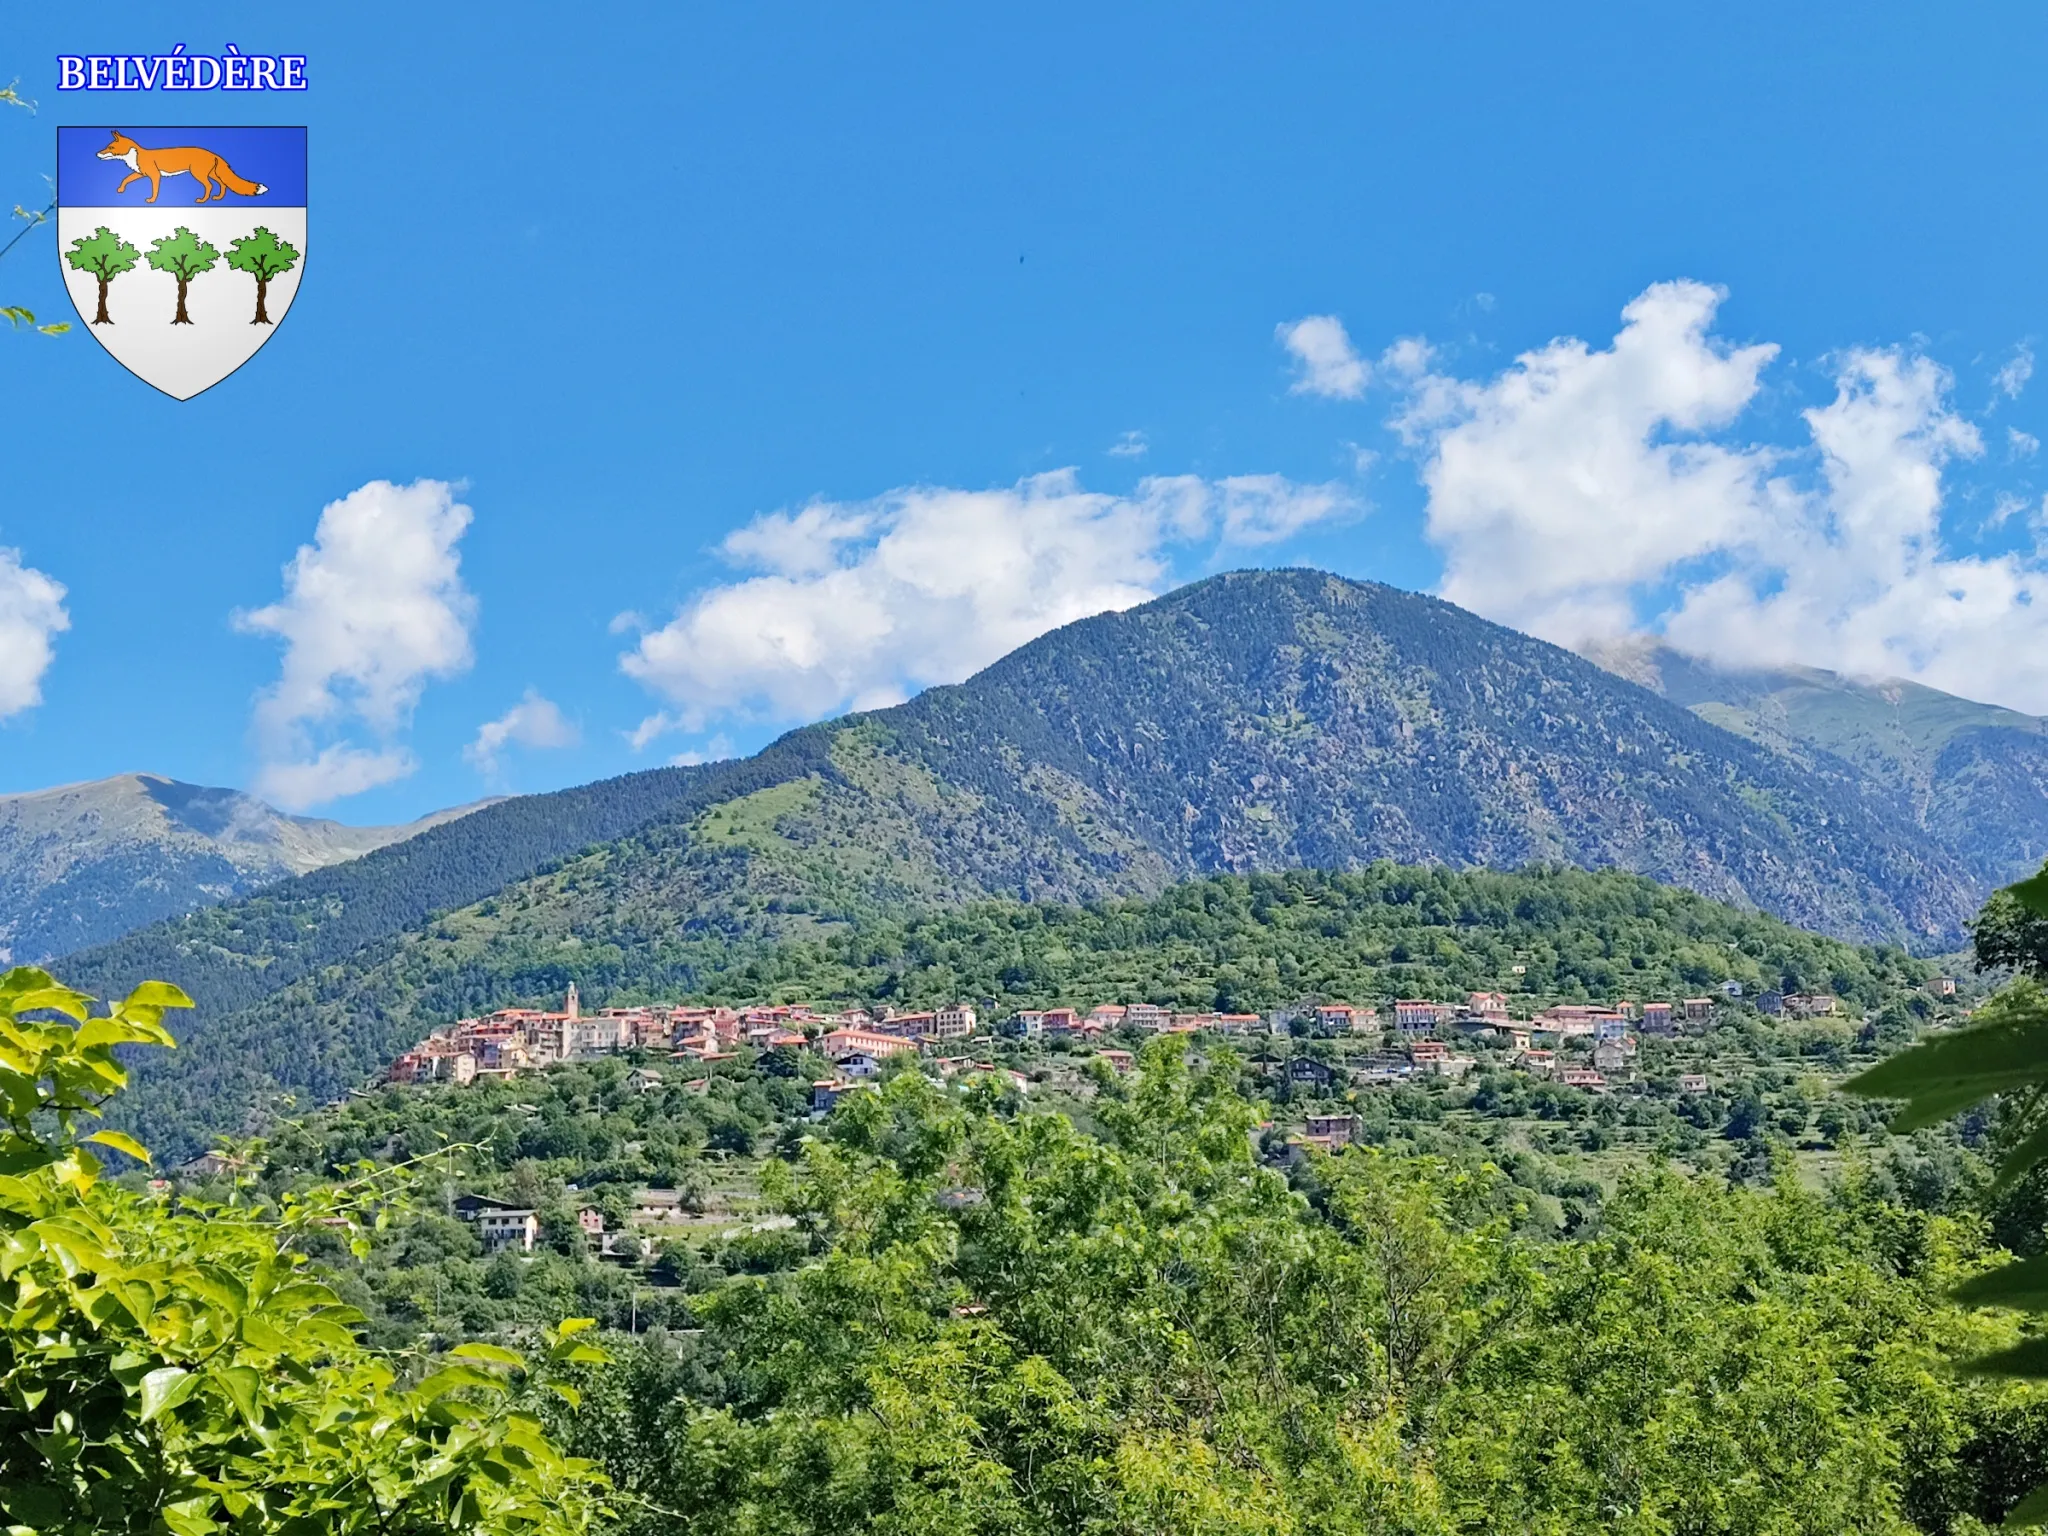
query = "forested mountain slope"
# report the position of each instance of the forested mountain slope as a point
(1973, 776)
(1259, 721)
(81, 864)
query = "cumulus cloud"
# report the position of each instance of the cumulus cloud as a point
(1326, 363)
(862, 604)
(1131, 445)
(533, 722)
(1585, 492)
(372, 610)
(32, 615)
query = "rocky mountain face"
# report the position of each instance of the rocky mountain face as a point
(1255, 721)
(85, 863)
(1973, 776)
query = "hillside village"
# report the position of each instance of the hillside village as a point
(1580, 1045)
(1322, 1060)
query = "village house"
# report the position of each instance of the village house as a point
(1611, 1056)
(827, 1092)
(1731, 988)
(954, 1021)
(1697, 1008)
(906, 1026)
(1537, 1063)
(1108, 1015)
(1657, 1019)
(499, 1224)
(1581, 1077)
(859, 1064)
(1024, 1024)
(1337, 1018)
(1308, 1071)
(1942, 986)
(1417, 1016)
(591, 1220)
(1693, 1082)
(839, 1044)
(1490, 1006)
(1573, 1020)
(1122, 1061)
(1241, 1024)
(1060, 1021)
(1148, 1016)
(1770, 1003)
(1421, 1051)
(1332, 1131)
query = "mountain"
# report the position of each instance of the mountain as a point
(1973, 776)
(85, 863)
(1254, 721)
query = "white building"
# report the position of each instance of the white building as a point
(500, 1230)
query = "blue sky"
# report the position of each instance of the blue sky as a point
(896, 298)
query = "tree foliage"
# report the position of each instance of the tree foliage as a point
(2002, 1056)
(1007, 1323)
(178, 1367)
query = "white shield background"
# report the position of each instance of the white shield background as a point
(181, 360)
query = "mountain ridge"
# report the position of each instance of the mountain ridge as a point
(1974, 776)
(82, 863)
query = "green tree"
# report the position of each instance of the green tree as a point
(2002, 1056)
(264, 257)
(184, 255)
(105, 255)
(178, 1369)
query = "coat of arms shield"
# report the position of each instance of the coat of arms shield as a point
(182, 248)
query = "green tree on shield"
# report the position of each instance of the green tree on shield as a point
(106, 256)
(264, 257)
(184, 255)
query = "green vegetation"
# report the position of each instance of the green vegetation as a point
(977, 1316)
(1230, 942)
(2002, 1056)
(178, 1367)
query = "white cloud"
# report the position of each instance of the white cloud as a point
(2021, 445)
(1131, 445)
(1584, 492)
(1265, 509)
(1558, 486)
(1327, 364)
(373, 608)
(2012, 378)
(333, 773)
(32, 615)
(532, 722)
(716, 750)
(863, 604)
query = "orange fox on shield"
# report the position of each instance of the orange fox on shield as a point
(204, 165)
